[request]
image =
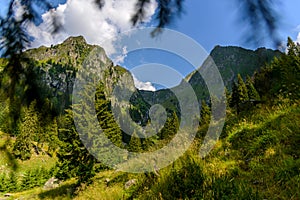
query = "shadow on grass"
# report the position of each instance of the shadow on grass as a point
(66, 191)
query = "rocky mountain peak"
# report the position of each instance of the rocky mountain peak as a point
(75, 39)
(70, 52)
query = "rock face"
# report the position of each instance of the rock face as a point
(51, 184)
(58, 66)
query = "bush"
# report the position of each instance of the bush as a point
(34, 178)
(9, 183)
(31, 178)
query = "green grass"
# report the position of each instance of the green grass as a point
(63, 192)
(19, 175)
(37, 161)
(257, 157)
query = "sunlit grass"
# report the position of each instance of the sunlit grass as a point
(256, 160)
(36, 161)
(64, 192)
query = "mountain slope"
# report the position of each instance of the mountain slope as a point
(237, 60)
(230, 62)
(256, 157)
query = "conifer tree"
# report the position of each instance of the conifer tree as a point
(242, 90)
(239, 94)
(205, 113)
(293, 49)
(48, 130)
(228, 97)
(281, 77)
(170, 128)
(174, 124)
(106, 118)
(227, 101)
(74, 160)
(28, 133)
(76, 156)
(51, 133)
(109, 127)
(234, 100)
(252, 93)
(135, 143)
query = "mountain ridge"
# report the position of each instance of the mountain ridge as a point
(65, 59)
(230, 61)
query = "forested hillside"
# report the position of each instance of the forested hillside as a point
(256, 157)
(230, 62)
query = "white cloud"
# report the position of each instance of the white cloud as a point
(82, 17)
(42, 33)
(298, 38)
(120, 59)
(143, 85)
(297, 28)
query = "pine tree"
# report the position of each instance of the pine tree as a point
(239, 94)
(292, 48)
(174, 124)
(76, 156)
(28, 133)
(252, 93)
(44, 124)
(51, 133)
(281, 78)
(205, 114)
(242, 90)
(234, 100)
(106, 118)
(135, 143)
(74, 160)
(228, 97)
(110, 128)
(227, 101)
(170, 128)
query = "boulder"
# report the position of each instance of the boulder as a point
(130, 183)
(106, 181)
(51, 184)
(7, 195)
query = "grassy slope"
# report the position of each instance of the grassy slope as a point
(264, 149)
(19, 168)
(37, 161)
(257, 158)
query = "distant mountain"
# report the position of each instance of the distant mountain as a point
(58, 65)
(56, 68)
(230, 61)
(237, 60)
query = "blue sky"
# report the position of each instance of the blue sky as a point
(209, 23)
(217, 22)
